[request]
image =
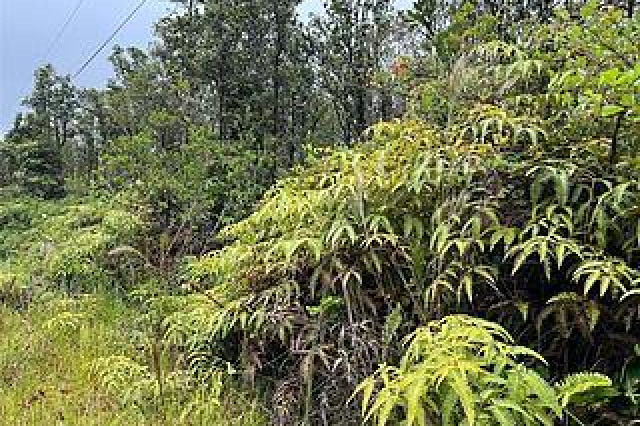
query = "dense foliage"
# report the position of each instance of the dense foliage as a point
(278, 236)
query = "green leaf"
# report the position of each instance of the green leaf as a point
(495, 237)
(609, 76)
(580, 383)
(523, 308)
(503, 416)
(604, 285)
(468, 286)
(630, 293)
(462, 245)
(386, 409)
(560, 254)
(520, 259)
(461, 386)
(415, 410)
(367, 390)
(609, 110)
(593, 277)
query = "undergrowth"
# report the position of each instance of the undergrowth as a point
(78, 344)
(476, 262)
(50, 357)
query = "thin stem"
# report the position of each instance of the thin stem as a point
(613, 153)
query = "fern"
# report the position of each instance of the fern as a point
(460, 369)
(580, 385)
(463, 370)
(612, 275)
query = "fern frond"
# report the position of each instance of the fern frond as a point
(579, 384)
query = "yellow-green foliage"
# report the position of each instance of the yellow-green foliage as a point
(408, 187)
(56, 360)
(59, 355)
(44, 356)
(417, 218)
(466, 371)
(510, 192)
(500, 203)
(61, 244)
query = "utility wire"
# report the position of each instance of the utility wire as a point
(110, 39)
(113, 35)
(55, 41)
(64, 28)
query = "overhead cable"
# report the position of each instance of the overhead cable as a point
(109, 39)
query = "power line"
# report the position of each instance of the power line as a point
(64, 28)
(110, 39)
(55, 41)
(113, 35)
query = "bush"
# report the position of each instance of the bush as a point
(63, 245)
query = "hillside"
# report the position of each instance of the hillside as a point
(397, 220)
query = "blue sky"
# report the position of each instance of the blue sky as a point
(27, 28)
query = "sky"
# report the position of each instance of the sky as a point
(28, 27)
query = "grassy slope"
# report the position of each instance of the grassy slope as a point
(46, 375)
(49, 345)
(45, 372)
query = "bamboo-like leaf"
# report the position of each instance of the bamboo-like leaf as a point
(366, 387)
(385, 410)
(502, 416)
(467, 281)
(460, 385)
(415, 410)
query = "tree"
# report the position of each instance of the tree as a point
(35, 162)
(37, 142)
(351, 37)
(246, 62)
(53, 102)
(93, 130)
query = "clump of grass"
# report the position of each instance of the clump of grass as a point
(53, 337)
(47, 357)
(45, 352)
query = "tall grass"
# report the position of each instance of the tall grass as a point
(47, 358)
